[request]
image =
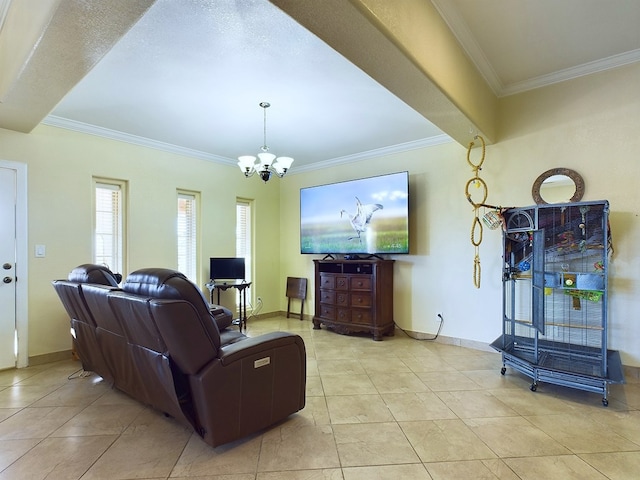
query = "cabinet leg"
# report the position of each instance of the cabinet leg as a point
(316, 325)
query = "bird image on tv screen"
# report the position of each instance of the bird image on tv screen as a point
(362, 217)
(368, 215)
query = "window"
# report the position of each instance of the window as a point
(187, 230)
(243, 234)
(108, 243)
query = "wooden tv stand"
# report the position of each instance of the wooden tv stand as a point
(354, 296)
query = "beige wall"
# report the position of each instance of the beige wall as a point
(591, 125)
(437, 275)
(61, 165)
(588, 124)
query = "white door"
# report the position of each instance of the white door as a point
(8, 190)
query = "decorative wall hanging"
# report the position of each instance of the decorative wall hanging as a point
(492, 219)
(551, 180)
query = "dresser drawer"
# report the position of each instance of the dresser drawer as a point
(328, 296)
(361, 316)
(360, 282)
(342, 283)
(327, 311)
(328, 281)
(343, 315)
(361, 300)
(342, 299)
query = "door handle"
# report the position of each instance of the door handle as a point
(7, 279)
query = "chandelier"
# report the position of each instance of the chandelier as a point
(266, 163)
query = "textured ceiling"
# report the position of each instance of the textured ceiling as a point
(193, 75)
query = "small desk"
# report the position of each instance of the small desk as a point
(239, 285)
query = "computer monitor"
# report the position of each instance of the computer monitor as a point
(226, 268)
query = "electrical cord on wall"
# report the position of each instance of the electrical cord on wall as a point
(255, 311)
(429, 339)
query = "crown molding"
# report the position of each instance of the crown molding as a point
(467, 41)
(588, 68)
(378, 152)
(81, 127)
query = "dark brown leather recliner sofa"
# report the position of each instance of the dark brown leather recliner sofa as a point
(157, 340)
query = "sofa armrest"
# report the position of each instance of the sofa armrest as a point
(252, 384)
(222, 316)
(255, 345)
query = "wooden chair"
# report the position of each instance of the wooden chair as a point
(296, 288)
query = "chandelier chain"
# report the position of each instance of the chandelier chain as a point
(264, 106)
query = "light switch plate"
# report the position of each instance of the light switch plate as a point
(41, 250)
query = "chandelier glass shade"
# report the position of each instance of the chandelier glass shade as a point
(266, 163)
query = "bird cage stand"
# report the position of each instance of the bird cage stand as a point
(555, 294)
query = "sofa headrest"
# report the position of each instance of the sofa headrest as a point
(90, 273)
(168, 284)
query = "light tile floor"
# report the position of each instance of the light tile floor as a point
(396, 409)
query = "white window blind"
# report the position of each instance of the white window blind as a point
(109, 225)
(243, 234)
(187, 236)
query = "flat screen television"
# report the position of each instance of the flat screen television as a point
(364, 216)
(226, 268)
